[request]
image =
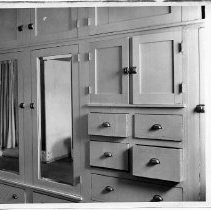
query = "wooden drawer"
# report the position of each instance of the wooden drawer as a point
(165, 127)
(10, 194)
(109, 155)
(108, 124)
(157, 163)
(110, 189)
(42, 198)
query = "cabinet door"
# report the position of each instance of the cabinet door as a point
(158, 61)
(11, 116)
(108, 82)
(53, 23)
(12, 24)
(55, 120)
(109, 19)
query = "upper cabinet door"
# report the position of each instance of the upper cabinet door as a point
(109, 19)
(158, 61)
(11, 116)
(48, 24)
(13, 26)
(109, 83)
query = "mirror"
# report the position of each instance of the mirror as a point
(56, 159)
(9, 136)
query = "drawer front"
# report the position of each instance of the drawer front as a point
(108, 124)
(10, 194)
(41, 198)
(165, 127)
(110, 189)
(109, 155)
(157, 163)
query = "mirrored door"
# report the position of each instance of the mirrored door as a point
(55, 92)
(11, 116)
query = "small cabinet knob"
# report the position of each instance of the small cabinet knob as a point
(126, 70)
(14, 196)
(32, 106)
(157, 127)
(154, 161)
(133, 70)
(107, 154)
(106, 124)
(30, 26)
(109, 189)
(157, 198)
(22, 105)
(20, 28)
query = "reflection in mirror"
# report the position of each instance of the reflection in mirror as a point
(56, 119)
(9, 151)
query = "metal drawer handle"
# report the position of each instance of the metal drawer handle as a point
(106, 124)
(157, 198)
(32, 106)
(154, 161)
(157, 127)
(14, 196)
(109, 189)
(107, 154)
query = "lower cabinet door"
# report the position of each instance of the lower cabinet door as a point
(42, 198)
(110, 189)
(9, 194)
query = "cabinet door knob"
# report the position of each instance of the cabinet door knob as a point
(32, 106)
(14, 196)
(157, 198)
(156, 127)
(106, 124)
(126, 70)
(200, 108)
(30, 26)
(154, 161)
(133, 70)
(20, 28)
(109, 189)
(22, 105)
(107, 154)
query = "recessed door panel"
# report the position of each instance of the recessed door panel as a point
(108, 82)
(158, 61)
(53, 23)
(107, 19)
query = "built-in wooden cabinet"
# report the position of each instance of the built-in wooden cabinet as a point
(155, 57)
(104, 104)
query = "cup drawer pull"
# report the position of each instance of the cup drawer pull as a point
(109, 189)
(107, 154)
(156, 127)
(157, 198)
(106, 124)
(154, 161)
(14, 196)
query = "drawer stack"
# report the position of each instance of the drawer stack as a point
(117, 149)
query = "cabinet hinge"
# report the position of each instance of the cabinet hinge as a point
(89, 56)
(180, 46)
(181, 88)
(89, 21)
(78, 57)
(77, 23)
(89, 90)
